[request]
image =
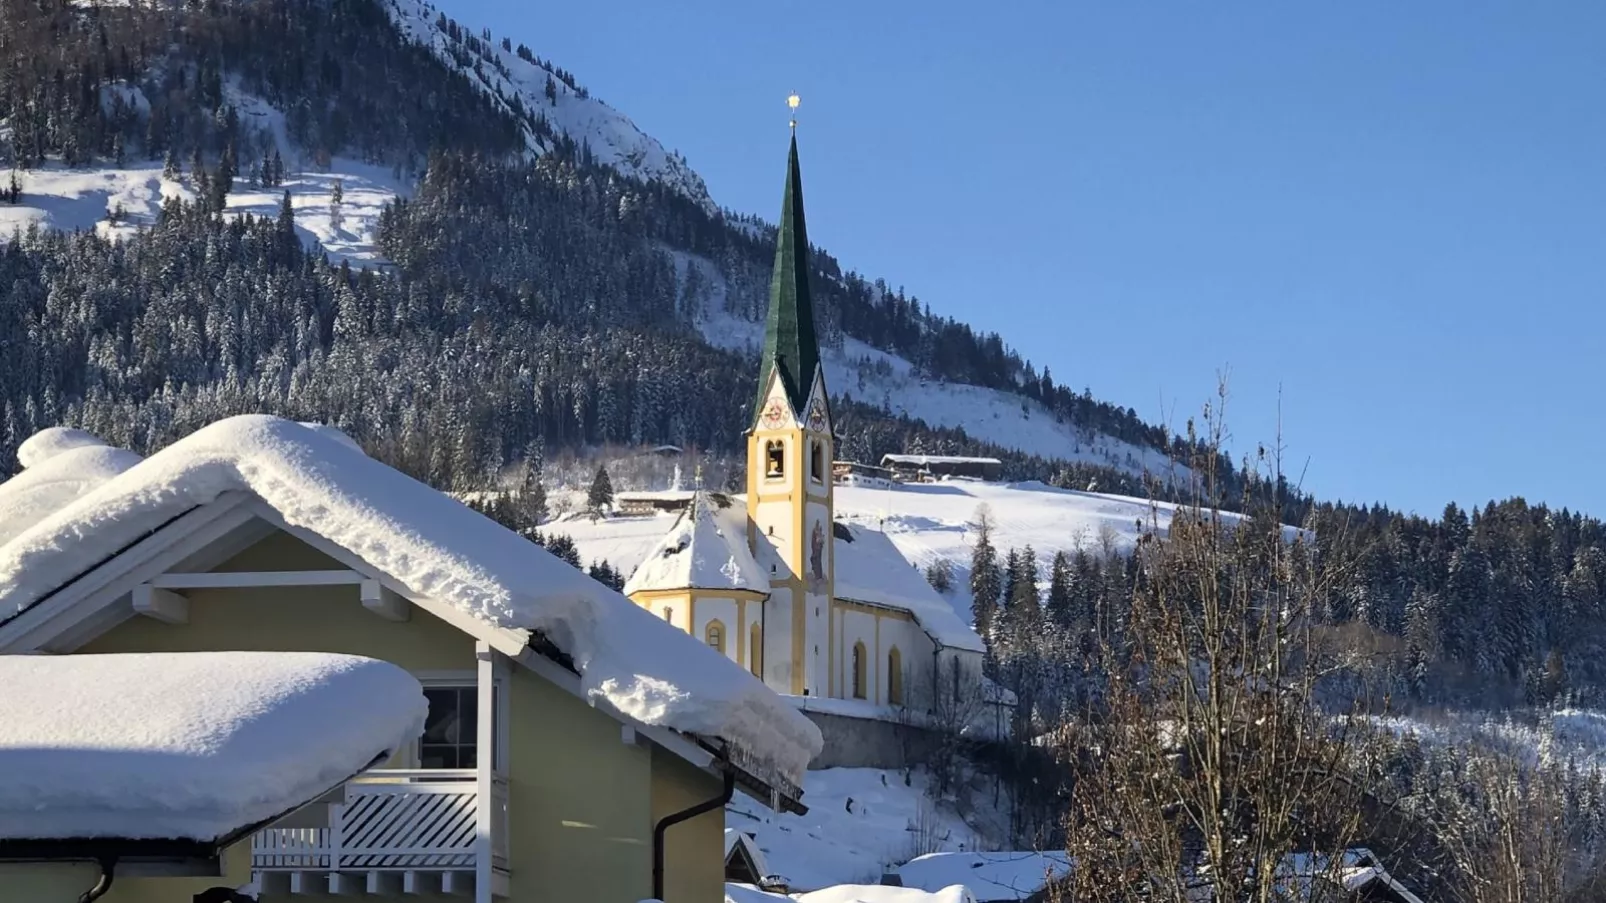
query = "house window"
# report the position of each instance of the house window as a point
(817, 461)
(859, 671)
(450, 729)
(895, 677)
(755, 655)
(715, 635)
(774, 459)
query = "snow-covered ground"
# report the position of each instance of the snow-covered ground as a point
(84, 198)
(72, 199)
(1567, 734)
(861, 822)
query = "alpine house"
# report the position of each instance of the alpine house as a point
(575, 748)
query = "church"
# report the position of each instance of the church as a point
(814, 606)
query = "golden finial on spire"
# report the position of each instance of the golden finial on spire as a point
(792, 101)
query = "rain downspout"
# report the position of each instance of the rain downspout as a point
(675, 818)
(108, 865)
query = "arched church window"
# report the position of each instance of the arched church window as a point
(859, 674)
(895, 677)
(755, 654)
(669, 614)
(817, 460)
(714, 633)
(774, 459)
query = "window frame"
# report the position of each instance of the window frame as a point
(775, 453)
(715, 629)
(861, 676)
(755, 650)
(466, 680)
(894, 677)
(817, 461)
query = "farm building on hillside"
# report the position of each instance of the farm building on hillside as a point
(639, 503)
(852, 473)
(928, 467)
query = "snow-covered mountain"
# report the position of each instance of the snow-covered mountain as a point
(530, 92)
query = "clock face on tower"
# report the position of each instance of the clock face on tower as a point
(817, 415)
(774, 416)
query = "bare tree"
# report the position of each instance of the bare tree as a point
(1209, 761)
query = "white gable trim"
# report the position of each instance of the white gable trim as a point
(58, 619)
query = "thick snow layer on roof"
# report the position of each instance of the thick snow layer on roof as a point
(188, 746)
(734, 837)
(935, 459)
(875, 893)
(871, 569)
(705, 549)
(46, 444)
(990, 876)
(848, 893)
(56, 475)
(438, 549)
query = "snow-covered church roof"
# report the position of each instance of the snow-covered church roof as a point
(191, 746)
(869, 568)
(705, 549)
(435, 547)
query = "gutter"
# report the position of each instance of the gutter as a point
(675, 818)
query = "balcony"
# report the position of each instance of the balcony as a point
(396, 831)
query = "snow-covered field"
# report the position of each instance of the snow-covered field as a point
(72, 199)
(861, 821)
(84, 198)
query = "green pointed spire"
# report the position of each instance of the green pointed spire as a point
(790, 346)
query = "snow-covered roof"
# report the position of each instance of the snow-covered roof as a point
(705, 549)
(61, 465)
(735, 838)
(922, 460)
(436, 548)
(188, 746)
(869, 568)
(990, 876)
(849, 893)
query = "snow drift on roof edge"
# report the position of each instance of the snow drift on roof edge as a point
(438, 549)
(53, 481)
(188, 746)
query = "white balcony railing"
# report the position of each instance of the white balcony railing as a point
(401, 820)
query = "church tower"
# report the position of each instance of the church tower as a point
(789, 448)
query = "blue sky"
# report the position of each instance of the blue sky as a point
(1394, 214)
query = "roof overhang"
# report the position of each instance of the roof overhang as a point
(98, 599)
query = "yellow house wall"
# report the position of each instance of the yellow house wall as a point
(581, 800)
(691, 875)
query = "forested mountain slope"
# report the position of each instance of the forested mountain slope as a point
(544, 276)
